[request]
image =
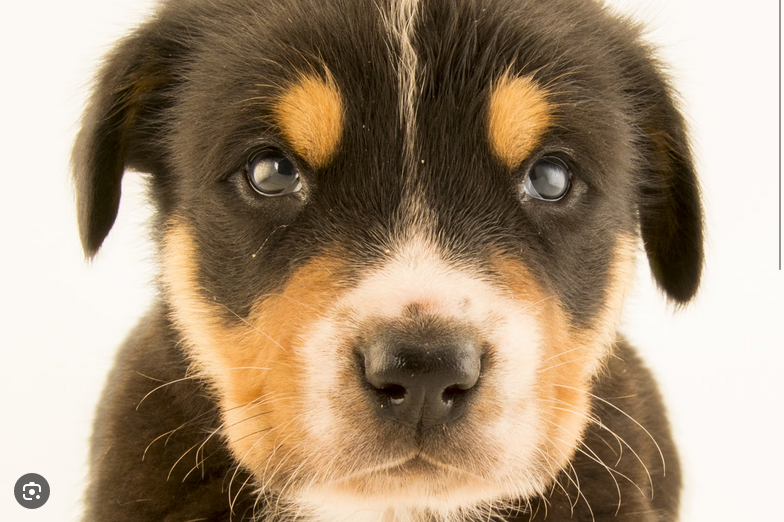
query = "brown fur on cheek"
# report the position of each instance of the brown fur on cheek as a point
(252, 363)
(570, 358)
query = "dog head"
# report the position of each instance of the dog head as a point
(395, 236)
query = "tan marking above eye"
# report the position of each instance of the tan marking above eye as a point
(519, 113)
(310, 115)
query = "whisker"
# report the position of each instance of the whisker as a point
(202, 444)
(268, 238)
(187, 378)
(172, 432)
(257, 402)
(234, 475)
(556, 482)
(538, 505)
(620, 441)
(201, 463)
(594, 457)
(566, 352)
(148, 377)
(278, 446)
(540, 301)
(571, 361)
(595, 420)
(180, 459)
(291, 477)
(244, 483)
(163, 386)
(661, 454)
(576, 480)
(232, 501)
(254, 327)
(254, 433)
(297, 301)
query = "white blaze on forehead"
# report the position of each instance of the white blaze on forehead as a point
(401, 21)
(401, 26)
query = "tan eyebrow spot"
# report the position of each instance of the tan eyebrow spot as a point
(310, 115)
(519, 113)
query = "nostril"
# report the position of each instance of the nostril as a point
(453, 392)
(394, 392)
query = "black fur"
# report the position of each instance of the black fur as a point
(175, 100)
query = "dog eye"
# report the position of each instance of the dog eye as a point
(273, 174)
(548, 179)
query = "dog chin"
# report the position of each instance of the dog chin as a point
(414, 489)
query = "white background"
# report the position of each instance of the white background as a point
(720, 361)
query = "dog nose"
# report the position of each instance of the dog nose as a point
(420, 385)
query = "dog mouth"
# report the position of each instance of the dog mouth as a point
(413, 479)
(412, 467)
(418, 464)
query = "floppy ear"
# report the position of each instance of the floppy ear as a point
(670, 209)
(121, 127)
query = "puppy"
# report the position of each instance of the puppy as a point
(394, 241)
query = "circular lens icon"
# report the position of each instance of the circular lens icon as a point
(31, 491)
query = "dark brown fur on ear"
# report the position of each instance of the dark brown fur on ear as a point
(670, 208)
(121, 126)
(671, 217)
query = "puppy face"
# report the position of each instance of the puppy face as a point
(395, 236)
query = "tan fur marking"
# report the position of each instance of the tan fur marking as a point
(518, 115)
(570, 358)
(561, 364)
(310, 114)
(252, 364)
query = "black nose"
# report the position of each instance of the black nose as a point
(422, 384)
